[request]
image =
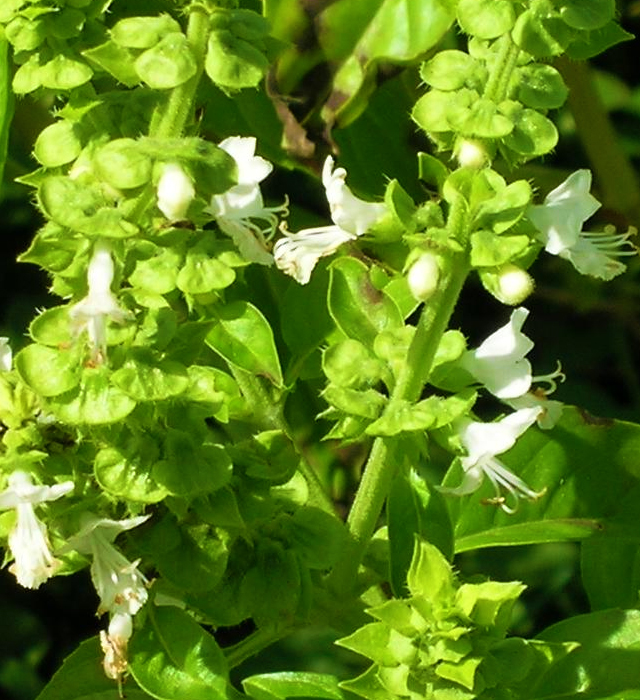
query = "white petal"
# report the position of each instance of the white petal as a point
(252, 169)
(298, 253)
(33, 561)
(499, 362)
(5, 355)
(486, 440)
(348, 211)
(175, 192)
(21, 489)
(248, 240)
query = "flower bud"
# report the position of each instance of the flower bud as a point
(423, 276)
(471, 154)
(514, 284)
(175, 192)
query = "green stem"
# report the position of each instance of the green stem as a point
(381, 464)
(269, 415)
(614, 172)
(171, 117)
(254, 643)
(498, 83)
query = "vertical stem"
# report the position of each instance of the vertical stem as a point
(170, 118)
(381, 465)
(498, 83)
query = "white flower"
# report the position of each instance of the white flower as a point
(28, 542)
(235, 208)
(559, 221)
(121, 587)
(514, 284)
(483, 442)
(114, 644)
(298, 253)
(175, 192)
(499, 362)
(5, 355)
(91, 313)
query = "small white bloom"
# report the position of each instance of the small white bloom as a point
(33, 561)
(499, 362)
(121, 587)
(483, 442)
(423, 276)
(349, 212)
(471, 154)
(514, 284)
(298, 253)
(91, 313)
(175, 192)
(559, 222)
(235, 208)
(114, 644)
(5, 355)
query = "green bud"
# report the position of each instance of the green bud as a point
(168, 64)
(122, 164)
(471, 154)
(143, 32)
(24, 35)
(58, 144)
(509, 283)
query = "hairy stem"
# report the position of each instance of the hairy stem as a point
(380, 468)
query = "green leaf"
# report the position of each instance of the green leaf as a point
(317, 537)
(580, 499)
(533, 134)
(232, 62)
(592, 43)
(243, 337)
(350, 364)
(49, 372)
(359, 309)
(541, 86)
(64, 73)
(486, 19)
(142, 32)
(167, 64)
(146, 378)
(587, 15)
(57, 144)
(449, 70)
(369, 686)
(357, 35)
(271, 588)
(125, 471)
(115, 60)
(414, 511)
(122, 164)
(159, 273)
(605, 665)
(189, 469)
(541, 35)
(95, 401)
(173, 658)
(202, 273)
(611, 573)
(81, 678)
(491, 250)
(295, 684)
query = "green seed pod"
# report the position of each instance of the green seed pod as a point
(143, 32)
(58, 144)
(168, 64)
(122, 164)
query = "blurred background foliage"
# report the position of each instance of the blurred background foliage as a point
(593, 328)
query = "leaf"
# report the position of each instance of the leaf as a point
(49, 372)
(580, 499)
(357, 35)
(81, 678)
(145, 378)
(414, 511)
(173, 658)
(605, 665)
(359, 309)
(95, 401)
(279, 686)
(611, 573)
(243, 337)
